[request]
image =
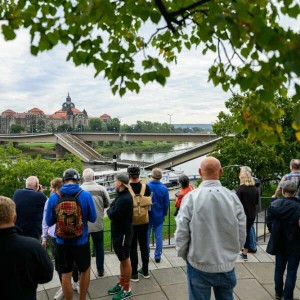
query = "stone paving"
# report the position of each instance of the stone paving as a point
(168, 279)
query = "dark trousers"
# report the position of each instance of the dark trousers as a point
(97, 238)
(292, 262)
(250, 222)
(140, 234)
(53, 248)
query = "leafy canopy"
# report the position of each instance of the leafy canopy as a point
(254, 52)
(266, 161)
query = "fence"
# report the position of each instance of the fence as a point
(169, 226)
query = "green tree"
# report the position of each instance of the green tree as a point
(40, 125)
(254, 52)
(16, 128)
(266, 161)
(64, 128)
(114, 125)
(95, 124)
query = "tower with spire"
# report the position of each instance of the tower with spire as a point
(68, 104)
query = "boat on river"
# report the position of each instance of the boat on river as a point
(106, 178)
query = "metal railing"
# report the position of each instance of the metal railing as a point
(169, 223)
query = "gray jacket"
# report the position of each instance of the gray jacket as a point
(101, 200)
(211, 228)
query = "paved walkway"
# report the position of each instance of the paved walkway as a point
(168, 279)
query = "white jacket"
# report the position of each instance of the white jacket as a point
(211, 228)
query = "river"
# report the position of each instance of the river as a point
(189, 168)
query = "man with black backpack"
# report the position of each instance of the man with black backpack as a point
(70, 209)
(141, 195)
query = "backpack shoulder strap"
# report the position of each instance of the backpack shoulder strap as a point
(76, 196)
(142, 192)
(58, 194)
(131, 191)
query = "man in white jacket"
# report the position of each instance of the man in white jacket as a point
(211, 230)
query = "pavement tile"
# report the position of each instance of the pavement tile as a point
(51, 293)
(40, 288)
(176, 291)
(250, 289)
(263, 257)
(164, 263)
(99, 288)
(169, 276)
(152, 296)
(42, 295)
(145, 286)
(271, 289)
(263, 272)
(170, 252)
(55, 282)
(242, 272)
(184, 269)
(112, 263)
(177, 261)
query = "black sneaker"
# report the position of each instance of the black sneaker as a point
(145, 275)
(244, 257)
(277, 297)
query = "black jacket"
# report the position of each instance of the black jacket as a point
(24, 263)
(282, 222)
(120, 213)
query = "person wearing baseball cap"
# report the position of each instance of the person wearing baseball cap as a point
(284, 243)
(120, 214)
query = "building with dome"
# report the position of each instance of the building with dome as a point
(35, 120)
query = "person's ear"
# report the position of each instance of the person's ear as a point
(200, 173)
(221, 172)
(15, 218)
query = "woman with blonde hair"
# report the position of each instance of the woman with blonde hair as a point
(249, 197)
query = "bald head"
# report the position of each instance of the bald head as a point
(210, 169)
(32, 182)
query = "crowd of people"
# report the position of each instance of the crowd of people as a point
(214, 226)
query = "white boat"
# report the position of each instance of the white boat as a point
(106, 178)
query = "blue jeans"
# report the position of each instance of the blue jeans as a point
(252, 237)
(200, 284)
(157, 229)
(97, 238)
(292, 262)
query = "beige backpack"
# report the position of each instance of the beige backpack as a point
(141, 205)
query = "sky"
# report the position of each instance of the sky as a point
(44, 81)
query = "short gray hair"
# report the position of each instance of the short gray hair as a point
(32, 182)
(88, 174)
(289, 186)
(295, 164)
(156, 173)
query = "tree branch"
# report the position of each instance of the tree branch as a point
(184, 9)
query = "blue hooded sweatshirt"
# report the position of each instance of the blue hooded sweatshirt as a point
(88, 212)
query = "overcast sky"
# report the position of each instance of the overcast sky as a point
(44, 82)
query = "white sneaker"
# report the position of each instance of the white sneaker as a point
(76, 286)
(59, 294)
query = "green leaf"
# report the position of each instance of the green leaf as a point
(8, 33)
(34, 50)
(155, 16)
(122, 91)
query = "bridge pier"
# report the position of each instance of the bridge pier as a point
(60, 151)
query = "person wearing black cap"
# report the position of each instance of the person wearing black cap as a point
(75, 249)
(140, 228)
(120, 214)
(284, 243)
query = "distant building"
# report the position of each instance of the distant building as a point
(105, 118)
(35, 120)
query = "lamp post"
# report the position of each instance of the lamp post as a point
(170, 121)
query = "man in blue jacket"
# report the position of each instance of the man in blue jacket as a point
(159, 209)
(283, 223)
(72, 250)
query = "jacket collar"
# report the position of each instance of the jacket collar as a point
(210, 183)
(9, 231)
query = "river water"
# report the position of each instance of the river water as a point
(190, 168)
